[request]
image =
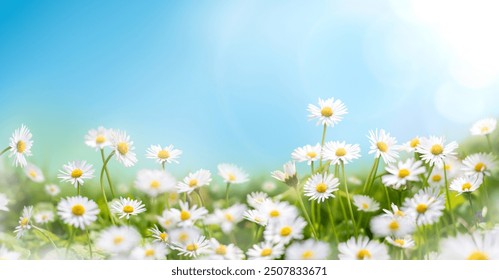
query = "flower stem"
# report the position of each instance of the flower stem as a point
(89, 245)
(426, 183)
(167, 201)
(489, 143)
(70, 241)
(43, 232)
(449, 204)
(77, 188)
(200, 198)
(4, 150)
(302, 205)
(107, 171)
(227, 194)
(348, 198)
(331, 219)
(322, 143)
(388, 197)
(471, 209)
(102, 186)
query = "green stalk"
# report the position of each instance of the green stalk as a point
(331, 219)
(368, 179)
(426, 183)
(107, 171)
(322, 143)
(447, 194)
(42, 231)
(4, 150)
(89, 245)
(348, 198)
(488, 142)
(306, 213)
(227, 194)
(102, 187)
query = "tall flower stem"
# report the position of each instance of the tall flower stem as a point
(449, 203)
(43, 232)
(89, 244)
(471, 209)
(322, 143)
(342, 205)
(107, 171)
(329, 207)
(78, 188)
(369, 177)
(4, 150)
(167, 200)
(426, 180)
(102, 186)
(388, 197)
(227, 194)
(302, 205)
(348, 198)
(70, 240)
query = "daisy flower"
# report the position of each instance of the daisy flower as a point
(155, 182)
(164, 155)
(184, 235)
(307, 153)
(309, 249)
(483, 127)
(158, 235)
(321, 186)
(265, 251)
(426, 206)
(256, 216)
(386, 225)
(24, 221)
(187, 216)
(410, 146)
(34, 173)
(466, 184)
(20, 145)
(118, 239)
(285, 230)
(126, 207)
(150, 251)
(479, 246)
(193, 248)
(365, 203)
(76, 172)
(167, 220)
(255, 199)
(329, 112)
(227, 218)
(405, 243)
(218, 251)
(232, 174)
(194, 181)
(8, 255)
(434, 151)
(123, 148)
(78, 211)
(44, 217)
(382, 144)
(277, 210)
(98, 138)
(479, 164)
(3, 202)
(340, 152)
(288, 176)
(403, 173)
(437, 177)
(52, 189)
(362, 249)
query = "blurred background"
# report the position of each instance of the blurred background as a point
(230, 81)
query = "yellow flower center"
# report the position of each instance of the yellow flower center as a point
(436, 178)
(479, 167)
(183, 237)
(466, 186)
(193, 183)
(414, 142)
(185, 215)
(78, 210)
(436, 149)
(21, 146)
(100, 139)
(321, 188)
(167, 222)
(404, 173)
(76, 173)
(24, 221)
(308, 254)
(400, 242)
(393, 226)
(382, 146)
(173, 196)
(221, 250)
(163, 154)
(149, 253)
(399, 213)
(118, 239)
(191, 247)
(231, 177)
(123, 148)
(484, 129)
(229, 217)
(311, 154)
(266, 252)
(327, 111)
(363, 254)
(163, 236)
(32, 173)
(128, 209)
(478, 256)
(285, 231)
(421, 208)
(155, 184)
(274, 213)
(340, 152)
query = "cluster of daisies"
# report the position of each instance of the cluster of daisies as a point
(422, 199)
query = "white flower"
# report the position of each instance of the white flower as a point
(193, 248)
(150, 251)
(218, 251)
(167, 154)
(98, 138)
(479, 246)
(34, 173)
(321, 186)
(52, 189)
(405, 243)
(188, 216)
(194, 181)
(426, 206)
(387, 225)
(340, 152)
(255, 199)
(123, 148)
(44, 217)
(362, 249)
(8, 255)
(168, 219)
(256, 216)
(24, 221)
(307, 153)
(232, 174)
(277, 210)
(365, 203)
(227, 218)
(265, 251)
(434, 151)
(479, 164)
(118, 239)
(155, 182)
(3, 202)
(20, 145)
(410, 146)
(158, 235)
(287, 176)
(329, 112)
(466, 184)
(382, 144)
(76, 172)
(309, 249)
(183, 235)
(437, 177)
(403, 173)
(284, 230)
(483, 127)
(126, 207)
(78, 211)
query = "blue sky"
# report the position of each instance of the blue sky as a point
(229, 81)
